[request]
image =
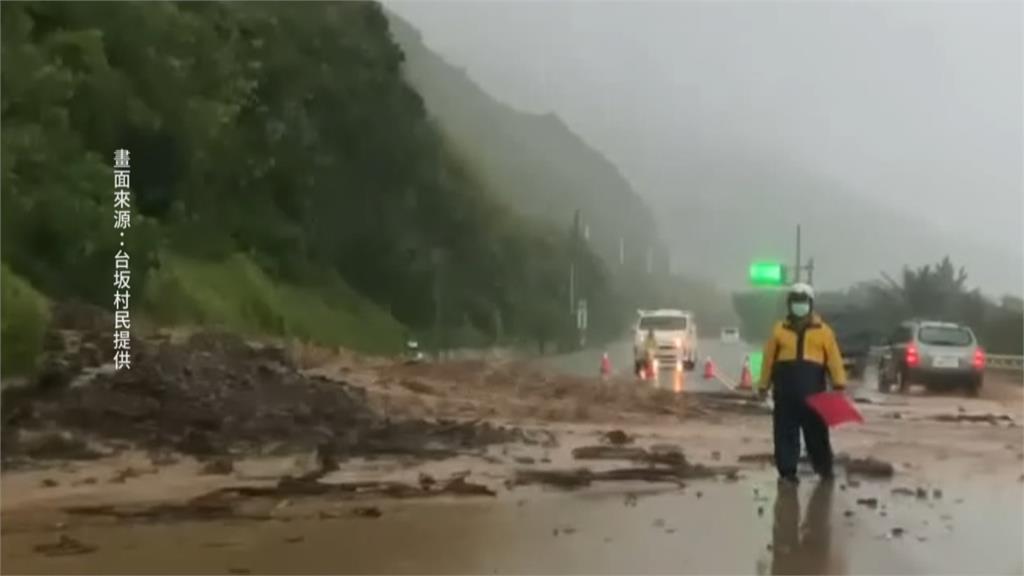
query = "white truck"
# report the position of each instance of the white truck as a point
(675, 332)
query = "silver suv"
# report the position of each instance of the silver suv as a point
(938, 355)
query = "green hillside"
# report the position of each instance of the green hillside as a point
(534, 163)
(539, 166)
(285, 177)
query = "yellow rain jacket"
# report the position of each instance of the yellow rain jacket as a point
(800, 359)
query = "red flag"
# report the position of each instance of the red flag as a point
(835, 408)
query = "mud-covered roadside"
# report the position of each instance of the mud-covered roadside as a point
(211, 439)
(653, 499)
(218, 401)
(214, 396)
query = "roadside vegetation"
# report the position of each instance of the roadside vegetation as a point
(25, 314)
(933, 291)
(285, 180)
(236, 295)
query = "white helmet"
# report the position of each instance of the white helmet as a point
(801, 289)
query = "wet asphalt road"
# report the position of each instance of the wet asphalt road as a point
(709, 527)
(749, 527)
(728, 359)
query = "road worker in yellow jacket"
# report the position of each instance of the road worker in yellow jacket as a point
(798, 356)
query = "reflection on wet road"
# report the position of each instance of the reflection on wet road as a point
(709, 527)
(806, 549)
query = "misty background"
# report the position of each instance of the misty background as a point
(517, 175)
(891, 131)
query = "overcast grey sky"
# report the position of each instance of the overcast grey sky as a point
(916, 106)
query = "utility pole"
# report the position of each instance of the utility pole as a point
(799, 266)
(572, 287)
(438, 259)
(574, 238)
(799, 262)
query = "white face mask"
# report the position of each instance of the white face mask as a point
(800, 309)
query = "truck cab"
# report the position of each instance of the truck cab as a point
(675, 332)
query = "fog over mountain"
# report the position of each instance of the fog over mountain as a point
(891, 131)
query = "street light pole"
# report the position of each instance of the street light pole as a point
(572, 287)
(438, 261)
(799, 262)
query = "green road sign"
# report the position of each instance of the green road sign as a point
(767, 274)
(755, 366)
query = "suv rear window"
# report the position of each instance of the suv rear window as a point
(945, 336)
(663, 323)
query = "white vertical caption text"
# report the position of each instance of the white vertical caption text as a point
(122, 270)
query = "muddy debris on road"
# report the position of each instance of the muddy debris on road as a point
(65, 546)
(868, 502)
(47, 445)
(870, 467)
(231, 502)
(367, 512)
(218, 466)
(993, 419)
(617, 438)
(733, 403)
(867, 467)
(666, 454)
(196, 509)
(760, 458)
(213, 395)
(677, 474)
(124, 474)
(609, 453)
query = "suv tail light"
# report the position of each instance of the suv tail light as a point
(912, 358)
(979, 359)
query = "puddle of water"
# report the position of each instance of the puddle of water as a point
(709, 528)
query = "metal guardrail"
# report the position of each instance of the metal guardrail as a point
(1004, 362)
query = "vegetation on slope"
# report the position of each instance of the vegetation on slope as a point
(286, 134)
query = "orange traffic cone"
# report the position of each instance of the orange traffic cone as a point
(709, 369)
(606, 366)
(745, 377)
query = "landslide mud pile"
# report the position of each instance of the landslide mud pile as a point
(211, 393)
(214, 393)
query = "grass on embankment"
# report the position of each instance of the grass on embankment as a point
(236, 295)
(24, 316)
